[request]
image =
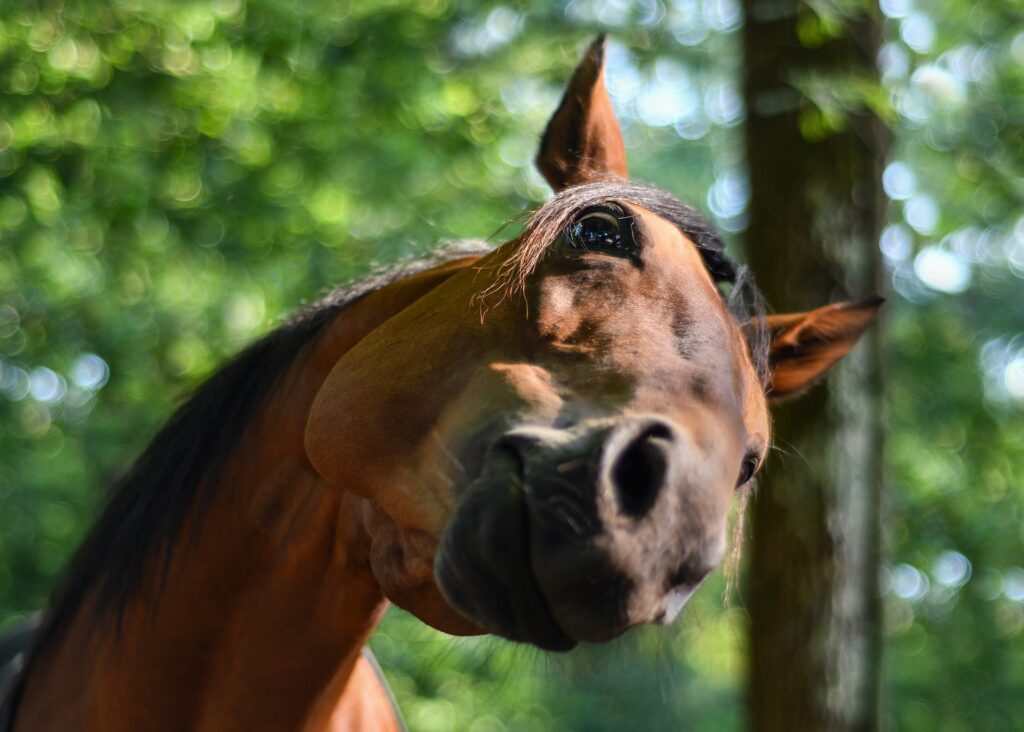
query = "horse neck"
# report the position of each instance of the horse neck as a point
(260, 622)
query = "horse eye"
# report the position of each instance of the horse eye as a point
(747, 471)
(596, 230)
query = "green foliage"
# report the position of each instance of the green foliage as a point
(174, 177)
(955, 250)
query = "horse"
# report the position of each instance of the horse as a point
(539, 441)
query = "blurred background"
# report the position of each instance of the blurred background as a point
(176, 176)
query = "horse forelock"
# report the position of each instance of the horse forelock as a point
(546, 224)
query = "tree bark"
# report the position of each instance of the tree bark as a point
(815, 214)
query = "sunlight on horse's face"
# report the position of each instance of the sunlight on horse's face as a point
(602, 466)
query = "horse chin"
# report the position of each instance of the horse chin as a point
(430, 606)
(401, 564)
(483, 566)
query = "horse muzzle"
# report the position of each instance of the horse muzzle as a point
(578, 535)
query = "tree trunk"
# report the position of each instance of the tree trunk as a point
(815, 214)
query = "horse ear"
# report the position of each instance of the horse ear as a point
(583, 141)
(805, 345)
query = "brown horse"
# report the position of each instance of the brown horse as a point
(540, 442)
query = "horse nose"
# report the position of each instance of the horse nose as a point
(635, 464)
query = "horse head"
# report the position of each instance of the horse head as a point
(549, 442)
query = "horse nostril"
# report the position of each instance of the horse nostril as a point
(638, 470)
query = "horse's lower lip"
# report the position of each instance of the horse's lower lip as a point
(534, 622)
(516, 611)
(484, 567)
(556, 639)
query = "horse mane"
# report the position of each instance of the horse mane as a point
(141, 523)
